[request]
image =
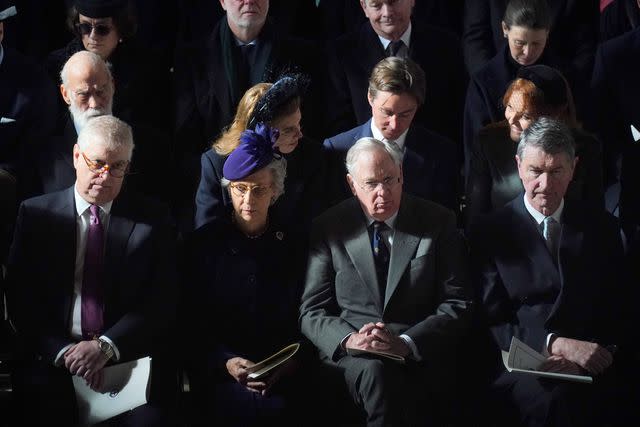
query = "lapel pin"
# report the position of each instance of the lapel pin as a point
(279, 235)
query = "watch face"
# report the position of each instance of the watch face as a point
(104, 346)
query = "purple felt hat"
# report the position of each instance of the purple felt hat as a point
(256, 150)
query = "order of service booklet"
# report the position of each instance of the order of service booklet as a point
(125, 387)
(265, 366)
(358, 352)
(522, 358)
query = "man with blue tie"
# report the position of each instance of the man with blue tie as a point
(91, 276)
(397, 88)
(387, 273)
(549, 272)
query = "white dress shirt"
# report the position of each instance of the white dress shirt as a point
(400, 142)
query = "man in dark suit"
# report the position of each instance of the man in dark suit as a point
(616, 90)
(389, 31)
(91, 279)
(542, 267)
(430, 168)
(386, 273)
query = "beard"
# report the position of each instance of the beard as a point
(81, 118)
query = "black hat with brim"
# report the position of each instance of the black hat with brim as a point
(548, 80)
(99, 8)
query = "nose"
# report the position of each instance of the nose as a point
(543, 181)
(386, 9)
(93, 102)
(392, 122)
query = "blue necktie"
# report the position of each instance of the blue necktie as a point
(380, 255)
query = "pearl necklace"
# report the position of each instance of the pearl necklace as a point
(247, 235)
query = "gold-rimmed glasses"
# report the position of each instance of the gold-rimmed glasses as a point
(241, 190)
(116, 170)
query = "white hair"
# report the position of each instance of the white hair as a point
(368, 145)
(108, 131)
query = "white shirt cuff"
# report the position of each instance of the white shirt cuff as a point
(546, 351)
(412, 346)
(59, 360)
(116, 353)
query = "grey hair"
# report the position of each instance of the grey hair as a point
(108, 131)
(370, 144)
(92, 59)
(549, 135)
(278, 170)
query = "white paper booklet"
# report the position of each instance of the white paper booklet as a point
(125, 387)
(522, 358)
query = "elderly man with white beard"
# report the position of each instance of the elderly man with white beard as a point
(87, 87)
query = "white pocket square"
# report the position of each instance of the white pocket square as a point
(6, 120)
(635, 133)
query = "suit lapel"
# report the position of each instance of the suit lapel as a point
(358, 246)
(371, 48)
(67, 245)
(118, 234)
(363, 132)
(569, 251)
(405, 243)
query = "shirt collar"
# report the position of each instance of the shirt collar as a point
(241, 43)
(378, 135)
(406, 38)
(82, 205)
(538, 216)
(391, 221)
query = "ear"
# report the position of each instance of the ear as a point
(370, 98)
(575, 163)
(65, 94)
(223, 5)
(505, 29)
(351, 183)
(76, 155)
(519, 163)
(401, 175)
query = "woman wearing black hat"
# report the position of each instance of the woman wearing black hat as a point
(526, 25)
(243, 288)
(278, 105)
(108, 28)
(493, 181)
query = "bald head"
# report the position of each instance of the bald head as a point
(87, 87)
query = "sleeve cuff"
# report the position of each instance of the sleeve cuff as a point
(546, 351)
(414, 349)
(59, 360)
(116, 353)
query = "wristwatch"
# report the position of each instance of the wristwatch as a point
(105, 348)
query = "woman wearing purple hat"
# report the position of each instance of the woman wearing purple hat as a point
(277, 105)
(243, 283)
(493, 180)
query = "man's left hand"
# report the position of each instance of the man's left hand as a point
(85, 358)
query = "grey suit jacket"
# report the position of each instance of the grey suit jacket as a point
(427, 294)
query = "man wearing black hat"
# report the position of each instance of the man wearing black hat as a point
(27, 106)
(548, 271)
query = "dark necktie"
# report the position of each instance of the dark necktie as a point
(394, 47)
(244, 68)
(380, 255)
(91, 295)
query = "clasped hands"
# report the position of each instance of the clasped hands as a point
(572, 356)
(239, 369)
(376, 337)
(85, 360)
